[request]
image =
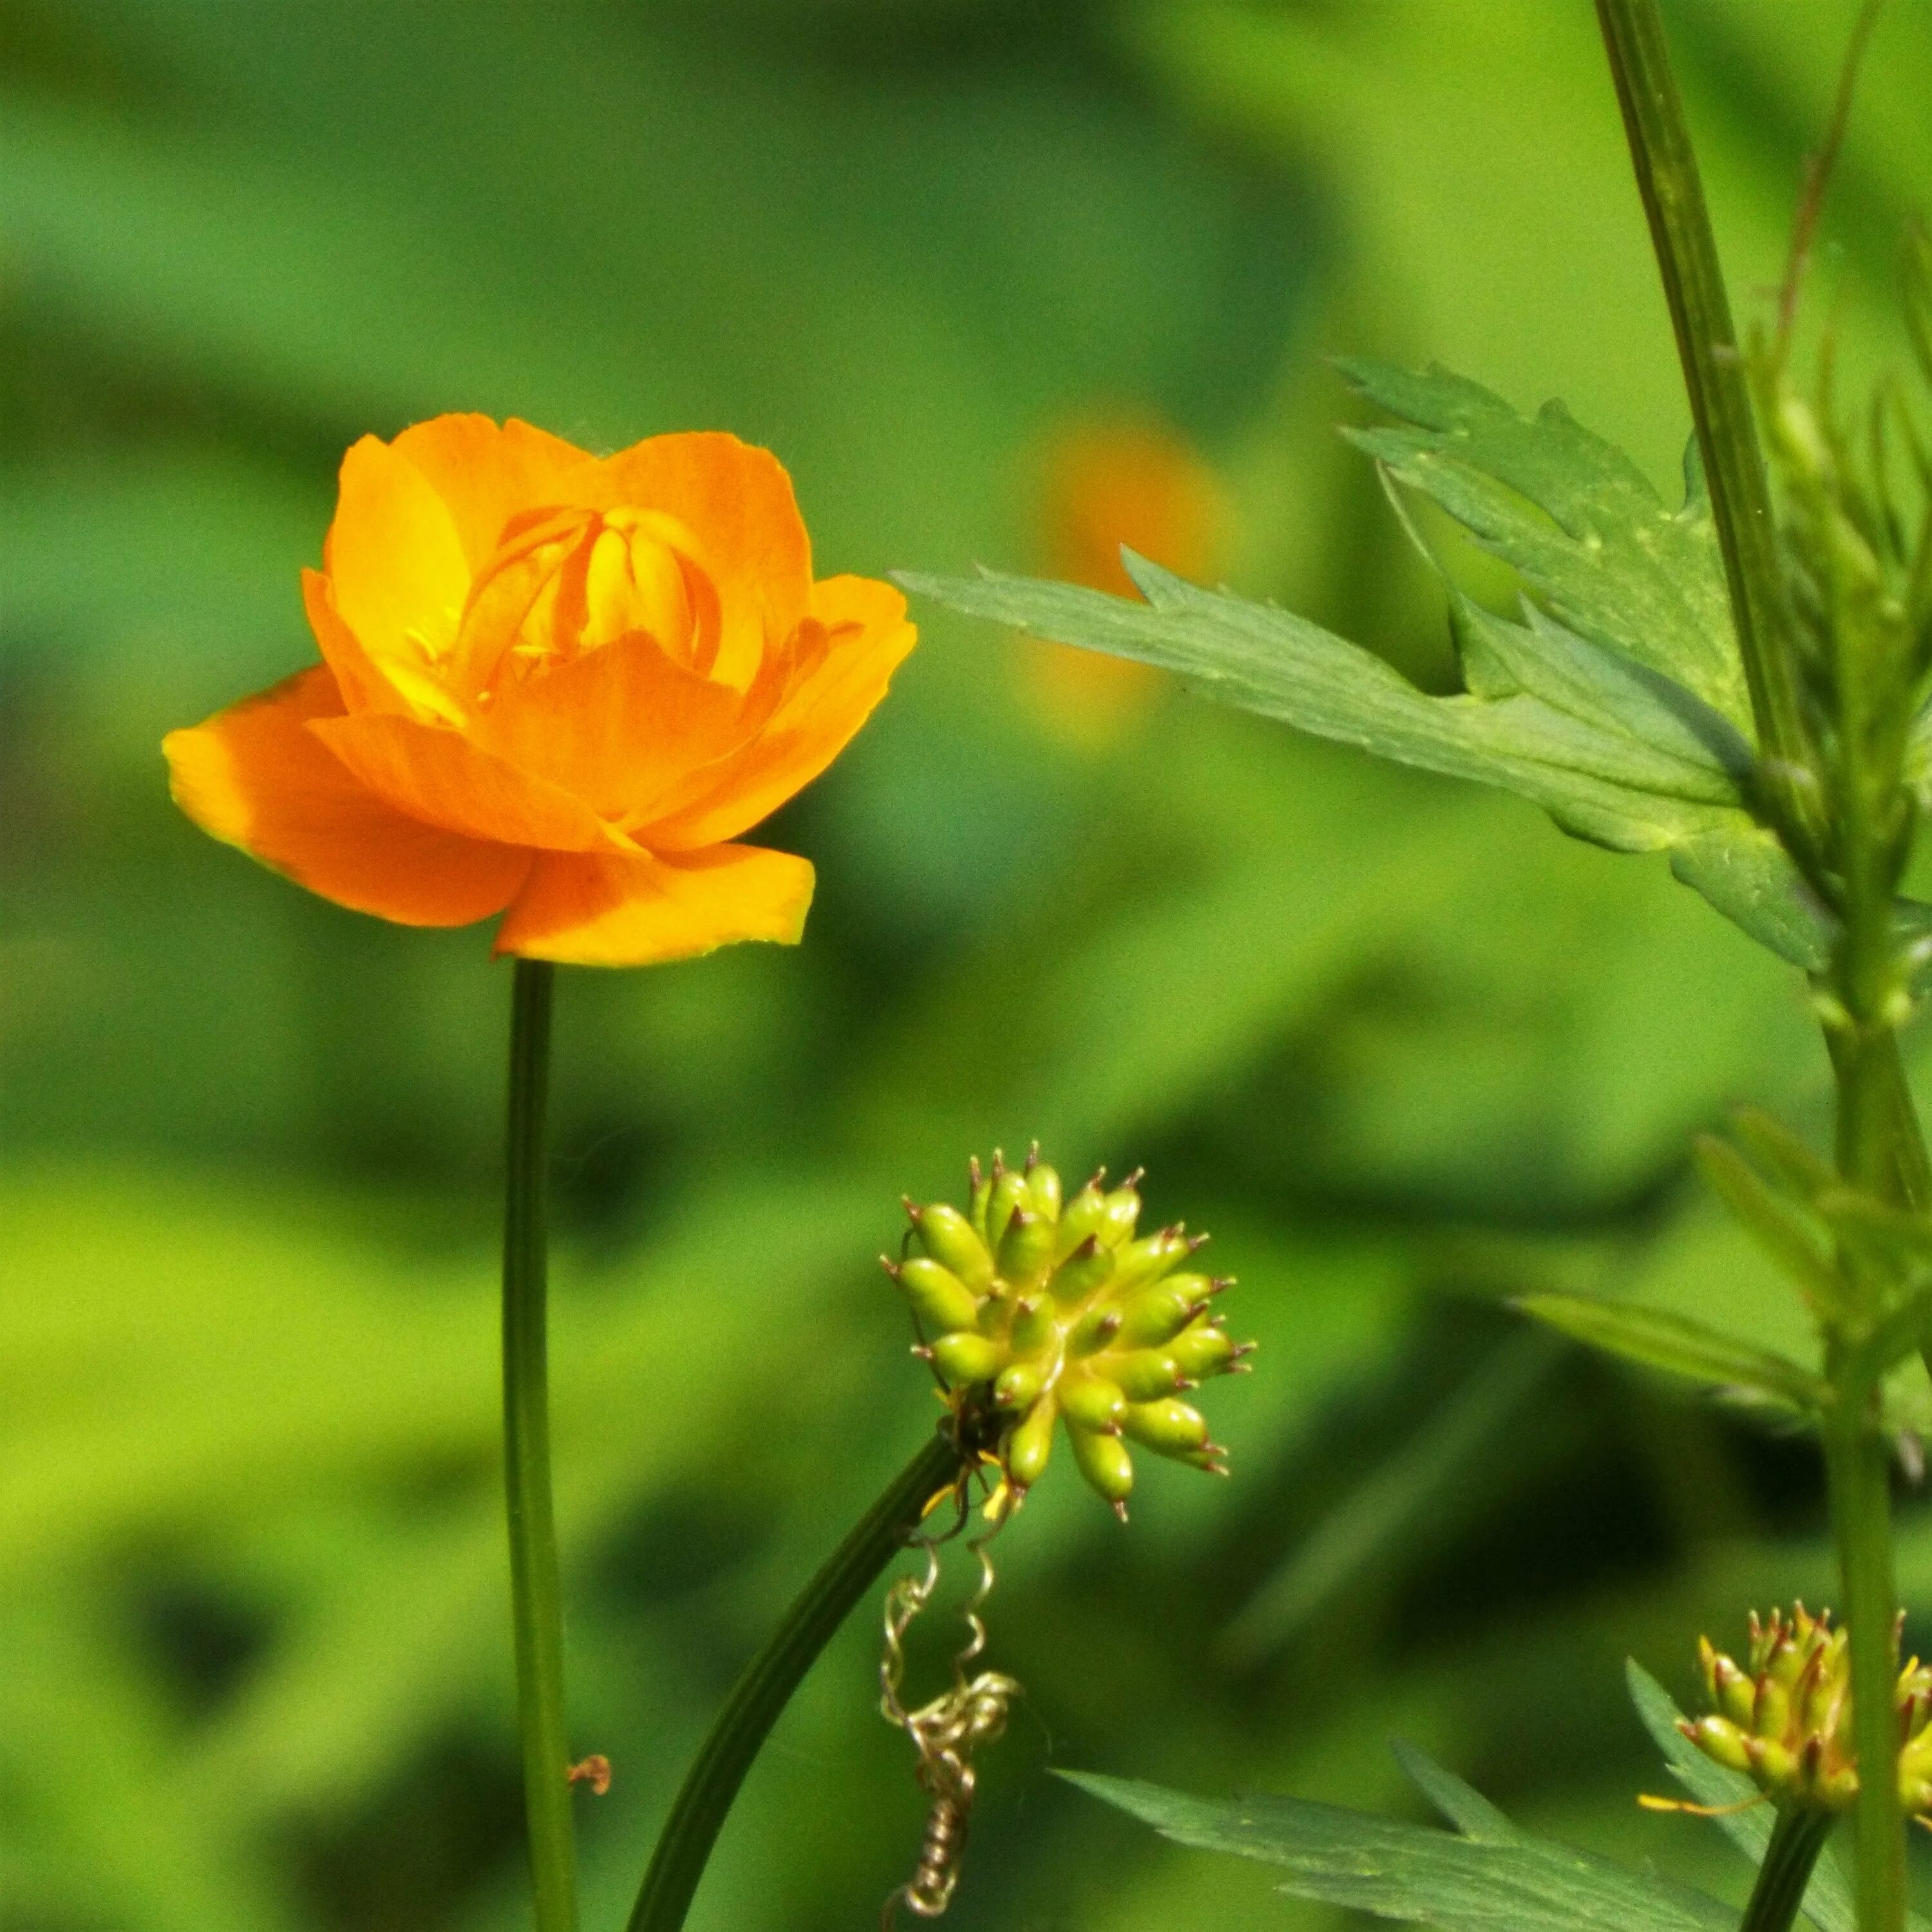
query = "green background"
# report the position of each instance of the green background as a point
(1401, 1046)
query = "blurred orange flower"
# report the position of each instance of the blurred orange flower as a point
(555, 686)
(1109, 483)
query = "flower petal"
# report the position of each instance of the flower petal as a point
(607, 909)
(392, 557)
(369, 682)
(437, 775)
(617, 727)
(739, 501)
(871, 638)
(256, 777)
(486, 474)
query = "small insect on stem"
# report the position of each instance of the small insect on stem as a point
(594, 1771)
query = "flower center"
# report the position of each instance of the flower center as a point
(565, 582)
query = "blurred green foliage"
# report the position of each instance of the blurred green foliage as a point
(1403, 1048)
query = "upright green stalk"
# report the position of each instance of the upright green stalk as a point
(1796, 1840)
(1857, 1465)
(684, 1846)
(535, 1600)
(1720, 403)
(1844, 853)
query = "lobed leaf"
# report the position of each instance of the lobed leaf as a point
(1613, 753)
(1494, 1880)
(1659, 1339)
(1595, 544)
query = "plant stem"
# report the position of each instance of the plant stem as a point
(536, 1602)
(684, 1845)
(1879, 1148)
(1857, 1466)
(1796, 1840)
(1721, 404)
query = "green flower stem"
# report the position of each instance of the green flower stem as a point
(1857, 1464)
(1796, 1840)
(1721, 404)
(536, 1602)
(684, 1846)
(1879, 1146)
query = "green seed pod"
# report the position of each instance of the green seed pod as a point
(1091, 1401)
(1170, 1427)
(979, 1198)
(1156, 1315)
(1045, 1307)
(1087, 1268)
(964, 1361)
(1083, 1214)
(1202, 1350)
(1034, 1327)
(1009, 1192)
(950, 1239)
(1119, 1212)
(1030, 1443)
(1145, 1376)
(1020, 1385)
(1104, 1462)
(1145, 1260)
(940, 1299)
(1026, 1246)
(1094, 1331)
(1043, 1187)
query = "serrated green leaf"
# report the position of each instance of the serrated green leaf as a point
(1462, 1804)
(1778, 1224)
(1736, 1804)
(1584, 766)
(1659, 1339)
(1595, 544)
(1413, 1872)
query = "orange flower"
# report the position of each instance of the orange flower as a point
(1109, 483)
(556, 686)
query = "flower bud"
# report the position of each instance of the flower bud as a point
(942, 1303)
(1042, 1308)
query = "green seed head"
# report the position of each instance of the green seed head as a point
(1783, 1717)
(1037, 1307)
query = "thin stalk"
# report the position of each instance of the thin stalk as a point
(1879, 1147)
(1857, 1467)
(684, 1845)
(536, 1601)
(1721, 404)
(1796, 1840)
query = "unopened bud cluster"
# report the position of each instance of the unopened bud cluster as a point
(1785, 1719)
(1042, 1309)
